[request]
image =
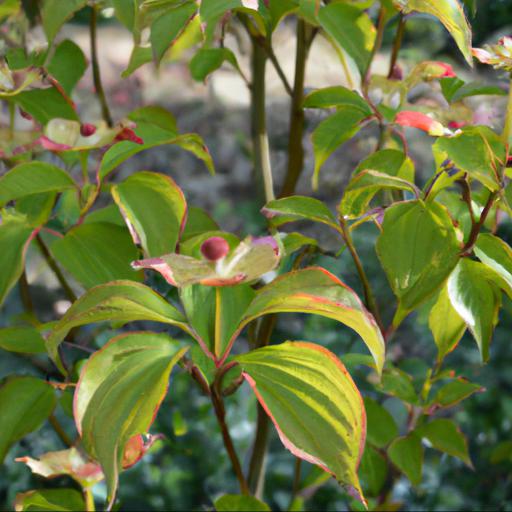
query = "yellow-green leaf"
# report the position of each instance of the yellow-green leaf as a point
(118, 395)
(316, 291)
(314, 405)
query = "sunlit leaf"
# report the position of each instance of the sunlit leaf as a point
(119, 393)
(309, 395)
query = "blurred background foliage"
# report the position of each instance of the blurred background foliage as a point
(188, 469)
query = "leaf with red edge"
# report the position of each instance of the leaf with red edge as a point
(316, 291)
(314, 405)
(65, 462)
(118, 395)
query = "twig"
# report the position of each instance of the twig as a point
(261, 41)
(105, 111)
(295, 146)
(259, 120)
(54, 422)
(397, 43)
(25, 296)
(55, 268)
(476, 226)
(370, 301)
(220, 413)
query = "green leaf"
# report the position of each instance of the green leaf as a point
(382, 428)
(215, 313)
(55, 13)
(446, 437)
(157, 228)
(126, 12)
(336, 96)
(452, 393)
(364, 186)
(37, 208)
(309, 396)
(120, 301)
(446, 325)
(140, 55)
(208, 60)
(477, 150)
(332, 132)
(396, 382)
(455, 89)
(25, 403)
(240, 503)
(418, 248)
(67, 65)
(25, 340)
(118, 395)
(351, 28)
(450, 14)
(316, 291)
(476, 298)
(45, 104)
(33, 178)
(153, 136)
(9, 7)
(497, 255)
(14, 238)
(49, 500)
(198, 222)
(168, 26)
(96, 253)
(289, 209)
(406, 453)
(373, 471)
(389, 161)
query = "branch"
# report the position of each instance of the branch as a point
(397, 43)
(220, 412)
(369, 298)
(105, 111)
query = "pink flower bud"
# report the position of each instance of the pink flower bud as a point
(214, 248)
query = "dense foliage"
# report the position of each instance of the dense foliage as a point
(207, 305)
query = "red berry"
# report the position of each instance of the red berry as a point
(214, 248)
(87, 129)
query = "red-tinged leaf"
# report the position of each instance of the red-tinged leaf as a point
(420, 121)
(316, 291)
(118, 301)
(118, 395)
(309, 396)
(65, 462)
(445, 436)
(252, 258)
(451, 394)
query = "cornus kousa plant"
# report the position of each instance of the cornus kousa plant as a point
(206, 302)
